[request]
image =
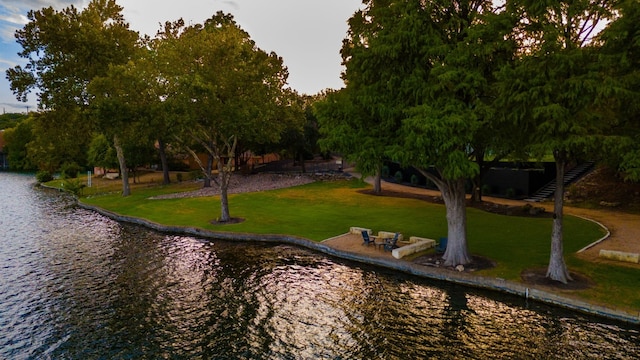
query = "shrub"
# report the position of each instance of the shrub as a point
(486, 189)
(74, 186)
(398, 176)
(69, 170)
(511, 193)
(179, 177)
(414, 179)
(43, 176)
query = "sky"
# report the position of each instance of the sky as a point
(307, 34)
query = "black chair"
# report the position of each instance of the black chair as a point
(442, 246)
(390, 244)
(368, 239)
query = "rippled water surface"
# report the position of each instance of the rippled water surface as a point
(76, 285)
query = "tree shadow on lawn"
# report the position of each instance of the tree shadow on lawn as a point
(526, 210)
(435, 260)
(538, 276)
(233, 220)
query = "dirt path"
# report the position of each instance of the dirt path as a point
(624, 228)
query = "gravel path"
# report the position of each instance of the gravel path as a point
(250, 183)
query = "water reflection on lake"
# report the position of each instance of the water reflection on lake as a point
(76, 285)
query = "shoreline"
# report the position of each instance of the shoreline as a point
(465, 279)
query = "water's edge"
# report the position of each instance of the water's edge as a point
(495, 284)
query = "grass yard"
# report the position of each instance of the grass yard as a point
(324, 209)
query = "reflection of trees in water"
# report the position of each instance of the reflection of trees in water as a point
(391, 317)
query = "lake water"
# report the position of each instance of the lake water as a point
(77, 285)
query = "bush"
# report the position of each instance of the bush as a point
(511, 193)
(398, 176)
(43, 176)
(74, 186)
(414, 179)
(69, 170)
(486, 189)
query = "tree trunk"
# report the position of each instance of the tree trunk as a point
(166, 180)
(224, 176)
(302, 164)
(453, 194)
(476, 189)
(124, 174)
(377, 181)
(208, 171)
(557, 269)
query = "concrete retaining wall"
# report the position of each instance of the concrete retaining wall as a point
(417, 245)
(389, 235)
(620, 256)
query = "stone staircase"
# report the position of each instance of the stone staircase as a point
(570, 176)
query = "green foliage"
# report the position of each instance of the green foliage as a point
(65, 49)
(10, 120)
(17, 141)
(224, 91)
(101, 153)
(486, 189)
(348, 128)
(43, 176)
(70, 170)
(73, 186)
(620, 57)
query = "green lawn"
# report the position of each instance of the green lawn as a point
(324, 209)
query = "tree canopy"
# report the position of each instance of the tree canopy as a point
(420, 90)
(65, 50)
(225, 90)
(553, 91)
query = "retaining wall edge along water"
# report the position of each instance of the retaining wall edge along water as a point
(461, 278)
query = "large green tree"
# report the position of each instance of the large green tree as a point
(552, 91)
(620, 60)
(382, 54)
(465, 42)
(65, 50)
(225, 90)
(420, 81)
(122, 106)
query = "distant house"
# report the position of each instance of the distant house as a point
(4, 164)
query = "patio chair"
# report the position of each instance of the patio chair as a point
(442, 246)
(390, 244)
(368, 239)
